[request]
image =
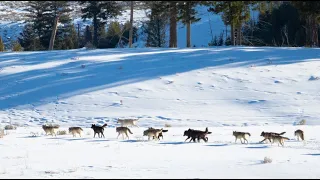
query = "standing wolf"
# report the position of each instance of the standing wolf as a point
(75, 130)
(241, 135)
(123, 130)
(50, 129)
(299, 133)
(128, 122)
(98, 130)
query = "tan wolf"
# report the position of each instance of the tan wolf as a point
(50, 129)
(299, 133)
(279, 139)
(128, 122)
(152, 133)
(268, 135)
(123, 130)
(240, 135)
(160, 134)
(75, 130)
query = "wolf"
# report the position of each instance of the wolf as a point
(75, 130)
(197, 134)
(123, 130)
(128, 122)
(160, 134)
(152, 133)
(299, 133)
(240, 135)
(279, 139)
(268, 135)
(50, 129)
(98, 130)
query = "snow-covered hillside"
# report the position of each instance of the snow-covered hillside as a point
(226, 89)
(202, 87)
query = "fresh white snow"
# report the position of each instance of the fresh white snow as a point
(251, 89)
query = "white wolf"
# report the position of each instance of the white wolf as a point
(128, 122)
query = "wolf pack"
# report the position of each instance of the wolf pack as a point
(155, 134)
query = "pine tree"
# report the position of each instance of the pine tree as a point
(310, 12)
(235, 13)
(42, 15)
(155, 29)
(187, 15)
(100, 11)
(87, 35)
(1, 45)
(58, 14)
(220, 41)
(16, 46)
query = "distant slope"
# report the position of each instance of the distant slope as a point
(235, 86)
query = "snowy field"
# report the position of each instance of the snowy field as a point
(226, 89)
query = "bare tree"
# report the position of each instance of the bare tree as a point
(131, 25)
(54, 31)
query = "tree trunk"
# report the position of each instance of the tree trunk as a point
(78, 35)
(314, 32)
(158, 30)
(95, 30)
(189, 34)
(131, 26)
(173, 25)
(53, 34)
(239, 35)
(232, 34)
(308, 32)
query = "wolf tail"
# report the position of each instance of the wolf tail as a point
(286, 138)
(206, 131)
(130, 131)
(105, 125)
(282, 133)
(248, 134)
(81, 129)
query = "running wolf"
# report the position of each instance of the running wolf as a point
(152, 133)
(123, 130)
(128, 122)
(196, 134)
(75, 130)
(160, 134)
(279, 139)
(268, 135)
(98, 130)
(240, 135)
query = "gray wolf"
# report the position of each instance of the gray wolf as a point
(268, 135)
(98, 130)
(75, 130)
(128, 122)
(299, 133)
(279, 139)
(152, 133)
(240, 135)
(160, 134)
(123, 130)
(50, 129)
